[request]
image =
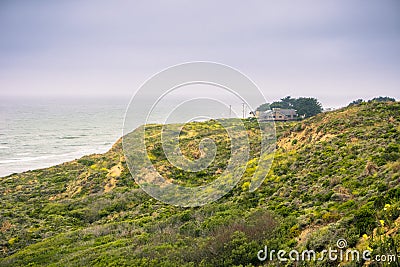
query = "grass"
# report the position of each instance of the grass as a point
(335, 175)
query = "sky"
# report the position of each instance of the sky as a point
(336, 51)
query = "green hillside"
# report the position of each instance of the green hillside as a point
(335, 175)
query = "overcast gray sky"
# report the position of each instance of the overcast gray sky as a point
(336, 51)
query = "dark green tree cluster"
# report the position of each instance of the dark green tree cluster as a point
(375, 99)
(305, 106)
(355, 102)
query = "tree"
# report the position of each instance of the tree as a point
(382, 99)
(305, 106)
(286, 102)
(263, 107)
(356, 102)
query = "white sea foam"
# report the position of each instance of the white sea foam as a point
(40, 133)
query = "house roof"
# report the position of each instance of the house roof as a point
(286, 112)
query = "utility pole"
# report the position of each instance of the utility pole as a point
(230, 111)
(243, 107)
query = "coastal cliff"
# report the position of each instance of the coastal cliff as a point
(334, 176)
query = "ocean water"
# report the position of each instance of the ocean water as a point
(39, 133)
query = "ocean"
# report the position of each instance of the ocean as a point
(42, 132)
(39, 133)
